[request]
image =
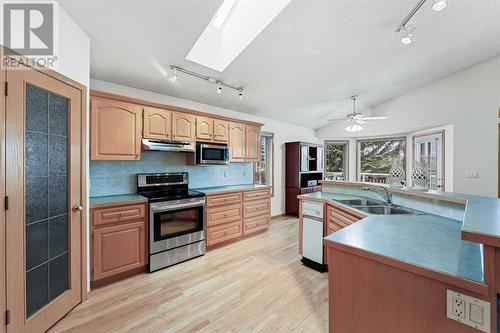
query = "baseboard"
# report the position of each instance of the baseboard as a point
(280, 217)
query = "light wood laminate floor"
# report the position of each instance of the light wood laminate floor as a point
(255, 285)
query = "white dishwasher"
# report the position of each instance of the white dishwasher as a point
(312, 235)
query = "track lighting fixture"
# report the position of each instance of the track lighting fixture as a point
(407, 35)
(439, 5)
(210, 79)
(173, 77)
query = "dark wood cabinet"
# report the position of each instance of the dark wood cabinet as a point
(303, 170)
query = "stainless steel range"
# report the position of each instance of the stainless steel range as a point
(176, 218)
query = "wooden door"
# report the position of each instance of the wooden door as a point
(237, 142)
(183, 126)
(252, 143)
(157, 124)
(118, 249)
(115, 130)
(43, 184)
(204, 128)
(221, 131)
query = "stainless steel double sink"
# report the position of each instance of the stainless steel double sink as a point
(378, 207)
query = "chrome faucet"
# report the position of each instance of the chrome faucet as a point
(385, 193)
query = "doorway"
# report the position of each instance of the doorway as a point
(44, 219)
(429, 149)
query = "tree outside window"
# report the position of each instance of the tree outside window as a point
(336, 160)
(376, 156)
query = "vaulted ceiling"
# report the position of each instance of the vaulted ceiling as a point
(304, 66)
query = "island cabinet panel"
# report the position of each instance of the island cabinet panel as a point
(221, 131)
(340, 218)
(237, 142)
(204, 128)
(115, 131)
(252, 143)
(118, 241)
(157, 124)
(183, 126)
(233, 215)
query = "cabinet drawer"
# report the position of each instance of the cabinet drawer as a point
(117, 249)
(311, 208)
(344, 215)
(223, 199)
(332, 227)
(103, 216)
(224, 232)
(256, 208)
(255, 195)
(255, 224)
(223, 214)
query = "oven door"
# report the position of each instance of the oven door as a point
(212, 154)
(175, 225)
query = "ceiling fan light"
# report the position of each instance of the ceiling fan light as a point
(353, 128)
(439, 5)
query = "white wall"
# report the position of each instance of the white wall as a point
(283, 132)
(469, 101)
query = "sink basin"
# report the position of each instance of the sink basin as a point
(361, 202)
(386, 210)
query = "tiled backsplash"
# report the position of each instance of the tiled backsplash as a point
(120, 177)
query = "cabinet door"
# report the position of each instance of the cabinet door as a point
(115, 130)
(304, 158)
(221, 131)
(183, 126)
(237, 142)
(204, 128)
(157, 124)
(118, 249)
(319, 158)
(252, 143)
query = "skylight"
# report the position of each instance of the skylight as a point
(232, 29)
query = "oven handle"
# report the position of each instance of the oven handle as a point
(175, 207)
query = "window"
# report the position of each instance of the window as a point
(375, 157)
(336, 160)
(429, 149)
(264, 168)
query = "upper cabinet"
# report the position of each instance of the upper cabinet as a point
(237, 140)
(115, 131)
(204, 128)
(157, 124)
(252, 143)
(183, 126)
(221, 131)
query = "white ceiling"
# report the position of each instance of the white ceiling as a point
(304, 66)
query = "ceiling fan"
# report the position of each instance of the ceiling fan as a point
(356, 119)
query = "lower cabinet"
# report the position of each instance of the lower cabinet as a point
(118, 245)
(230, 216)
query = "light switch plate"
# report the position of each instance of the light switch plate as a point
(471, 174)
(468, 310)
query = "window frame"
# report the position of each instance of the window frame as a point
(385, 138)
(346, 161)
(270, 135)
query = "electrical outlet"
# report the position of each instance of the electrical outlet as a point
(468, 310)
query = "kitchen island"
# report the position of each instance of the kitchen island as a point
(391, 273)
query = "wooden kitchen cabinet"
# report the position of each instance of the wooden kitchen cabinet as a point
(252, 143)
(237, 142)
(157, 124)
(115, 131)
(204, 128)
(221, 131)
(183, 126)
(230, 216)
(118, 241)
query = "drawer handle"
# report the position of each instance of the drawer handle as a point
(225, 215)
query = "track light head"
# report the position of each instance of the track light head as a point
(439, 5)
(219, 89)
(407, 35)
(240, 95)
(173, 77)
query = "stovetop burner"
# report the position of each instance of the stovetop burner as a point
(165, 186)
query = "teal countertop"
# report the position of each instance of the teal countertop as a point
(429, 241)
(111, 199)
(243, 187)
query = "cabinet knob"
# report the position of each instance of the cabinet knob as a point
(77, 208)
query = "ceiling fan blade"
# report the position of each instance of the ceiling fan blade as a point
(336, 119)
(360, 121)
(375, 118)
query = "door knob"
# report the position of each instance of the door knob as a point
(77, 208)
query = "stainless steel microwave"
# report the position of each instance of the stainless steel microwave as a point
(212, 153)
